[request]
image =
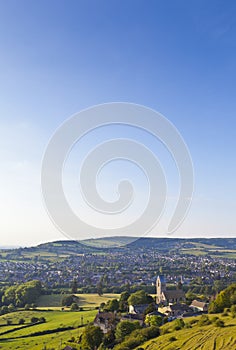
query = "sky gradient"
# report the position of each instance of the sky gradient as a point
(58, 57)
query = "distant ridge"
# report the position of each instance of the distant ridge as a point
(212, 246)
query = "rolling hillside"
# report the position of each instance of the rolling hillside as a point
(62, 249)
(207, 337)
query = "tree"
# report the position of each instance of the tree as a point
(4, 310)
(123, 301)
(100, 288)
(21, 321)
(22, 294)
(112, 305)
(150, 308)
(124, 328)
(153, 320)
(223, 300)
(34, 319)
(91, 337)
(74, 307)
(11, 308)
(68, 300)
(27, 306)
(74, 286)
(140, 297)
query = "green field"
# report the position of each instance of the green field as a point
(25, 338)
(87, 301)
(49, 307)
(202, 338)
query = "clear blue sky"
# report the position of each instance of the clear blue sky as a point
(58, 57)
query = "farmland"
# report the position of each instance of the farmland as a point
(61, 326)
(86, 301)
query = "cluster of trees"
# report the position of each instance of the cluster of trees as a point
(21, 295)
(225, 299)
(128, 335)
(138, 298)
(71, 301)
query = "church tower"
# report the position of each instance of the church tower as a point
(161, 287)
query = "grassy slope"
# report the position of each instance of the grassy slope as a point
(55, 319)
(202, 338)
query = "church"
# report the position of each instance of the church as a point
(166, 297)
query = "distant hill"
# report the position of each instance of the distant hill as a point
(65, 248)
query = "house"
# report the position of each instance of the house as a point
(106, 321)
(199, 306)
(164, 296)
(138, 309)
(134, 317)
(176, 310)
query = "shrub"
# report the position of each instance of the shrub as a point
(179, 324)
(172, 339)
(21, 321)
(214, 319)
(188, 325)
(150, 332)
(74, 307)
(233, 310)
(204, 321)
(27, 306)
(219, 323)
(194, 321)
(34, 319)
(224, 314)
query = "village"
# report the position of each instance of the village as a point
(167, 305)
(115, 272)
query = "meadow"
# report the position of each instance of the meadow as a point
(61, 326)
(86, 301)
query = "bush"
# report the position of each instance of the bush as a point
(204, 321)
(150, 332)
(188, 325)
(179, 324)
(34, 319)
(194, 321)
(172, 339)
(21, 321)
(219, 323)
(74, 307)
(214, 319)
(68, 300)
(224, 314)
(233, 311)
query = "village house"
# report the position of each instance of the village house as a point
(106, 321)
(138, 309)
(176, 310)
(199, 306)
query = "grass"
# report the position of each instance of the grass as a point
(24, 338)
(85, 300)
(202, 338)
